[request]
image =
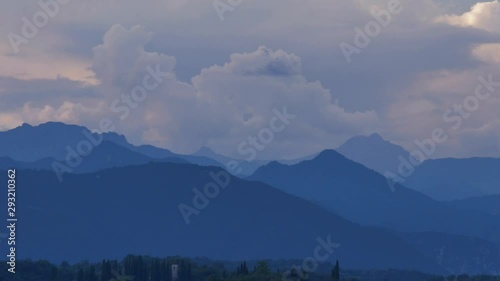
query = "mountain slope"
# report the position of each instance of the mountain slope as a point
(109, 154)
(135, 209)
(53, 139)
(247, 167)
(362, 195)
(452, 252)
(9, 163)
(451, 179)
(30, 143)
(374, 152)
(106, 155)
(489, 204)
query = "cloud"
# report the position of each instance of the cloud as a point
(422, 108)
(488, 53)
(221, 107)
(243, 92)
(68, 112)
(483, 15)
(121, 57)
(265, 61)
(220, 86)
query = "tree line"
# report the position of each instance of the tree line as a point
(145, 268)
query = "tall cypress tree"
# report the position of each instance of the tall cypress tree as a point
(106, 271)
(188, 272)
(91, 274)
(168, 266)
(245, 268)
(53, 274)
(80, 275)
(336, 272)
(155, 270)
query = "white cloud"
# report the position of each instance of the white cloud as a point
(121, 59)
(483, 15)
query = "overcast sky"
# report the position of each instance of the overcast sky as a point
(228, 69)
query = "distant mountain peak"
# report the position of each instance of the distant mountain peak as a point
(376, 136)
(55, 124)
(374, 152)
(26, 125)
(28, 143)
(329, 154)
(49, 127)
(370, 139)
(274, 164)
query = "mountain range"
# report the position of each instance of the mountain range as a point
(121, 198)
(447, 179)
(362, 195)
(135, 209)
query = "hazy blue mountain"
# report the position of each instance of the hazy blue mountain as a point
(109, 154)
(450, 179)
(28, 143)
(135, 209)
(160, 153)
(207, 152)
(374, 152)
(468, 254)
(247, 167)
(106, 155)
(362, 195)
(42, 164)
(298, 160)
(489, 204)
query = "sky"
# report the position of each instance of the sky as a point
(182, 74)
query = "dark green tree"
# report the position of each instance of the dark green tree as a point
(336, 272)
(53, 274)
(80, 276)
(106, 271)
(244, 268)
(90, 274)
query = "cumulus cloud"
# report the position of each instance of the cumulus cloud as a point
(122, 58)
(218, 87)
(483, 15)
(245, 101)
(221, 107)
(264, 62)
